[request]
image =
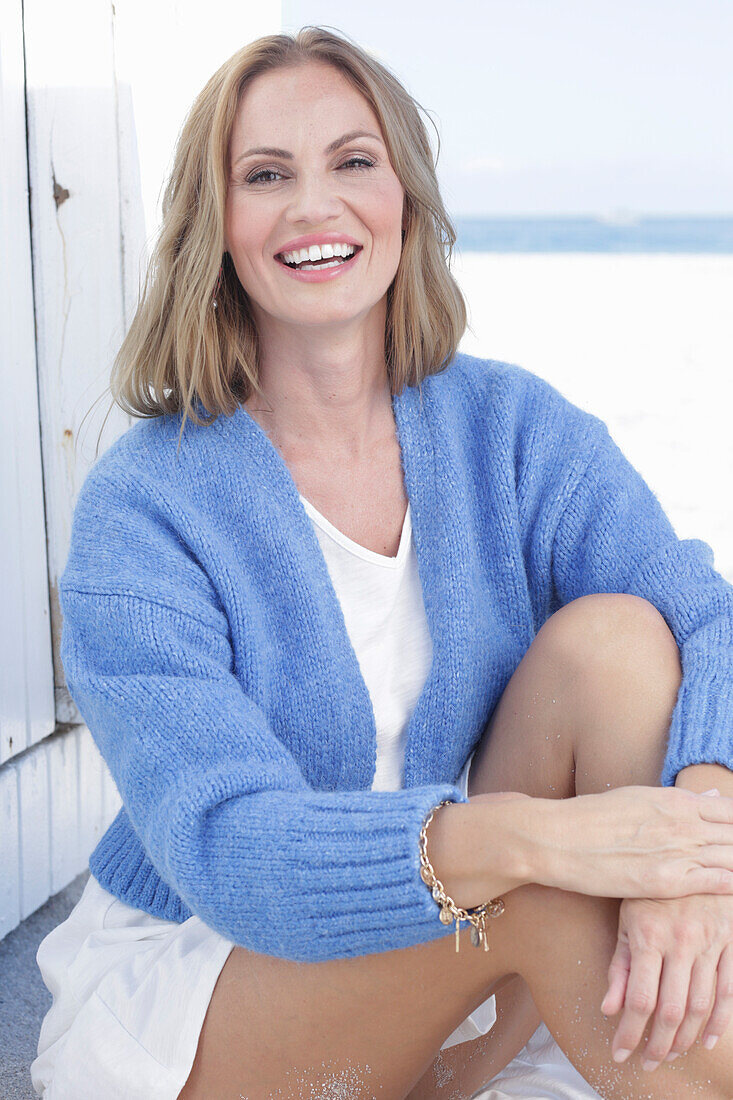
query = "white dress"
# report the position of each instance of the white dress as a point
(131, 991)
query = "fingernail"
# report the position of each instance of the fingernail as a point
(649, 1066)
(621, 1055)
(671, 1056)
(710, 1042)
(713, 790)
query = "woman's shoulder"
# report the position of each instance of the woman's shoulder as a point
(488, 387)
(475, 376)
(155, 459)
(473, 368)
(140, 447)
(527, 418)
(138, 525)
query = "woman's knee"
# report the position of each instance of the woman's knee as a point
(548, 924)
(613, 632)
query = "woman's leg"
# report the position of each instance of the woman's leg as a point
(596, 690)
(373, 1025)
(460, 1070)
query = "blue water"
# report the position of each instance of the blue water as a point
(568, 234)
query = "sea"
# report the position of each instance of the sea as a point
(622, 233)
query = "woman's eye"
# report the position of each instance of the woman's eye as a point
(258, 176)
(359, 162)
(356, 164)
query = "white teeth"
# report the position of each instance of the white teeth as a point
(318, 252)
(320, 267)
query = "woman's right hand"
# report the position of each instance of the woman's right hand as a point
(633, 842)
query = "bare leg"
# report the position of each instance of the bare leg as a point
(374, 1025)
(602, 699)
(598, 684)
(460, 1070)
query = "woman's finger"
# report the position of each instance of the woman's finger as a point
(699, 1001)
(696, 880)
(723, 1007)
(716, 852)
(674, 990)
(715, 809)
(618, 979)
(641, 1000)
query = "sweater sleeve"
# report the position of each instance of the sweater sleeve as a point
(613, 536)
(217, 800)
(219, 803)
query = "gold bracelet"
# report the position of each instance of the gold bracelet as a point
(449, 911)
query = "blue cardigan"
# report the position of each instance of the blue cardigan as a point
(206, 650)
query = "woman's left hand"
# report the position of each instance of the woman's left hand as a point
(674, 958)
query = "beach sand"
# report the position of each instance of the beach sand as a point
(645, 342)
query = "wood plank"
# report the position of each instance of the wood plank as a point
(26, 670)
(64, 800)
(34, 811)
(77, 248)
(10, 832)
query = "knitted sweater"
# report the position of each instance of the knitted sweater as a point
(206, 650)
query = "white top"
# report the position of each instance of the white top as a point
(382, 604)
(381, 599)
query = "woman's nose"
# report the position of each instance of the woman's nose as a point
(314, 198)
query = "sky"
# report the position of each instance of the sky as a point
(561, 106)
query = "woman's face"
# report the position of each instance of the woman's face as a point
(303, 188)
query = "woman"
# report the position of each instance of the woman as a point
(290, 707)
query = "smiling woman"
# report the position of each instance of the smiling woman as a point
(369, 560)
(254, 178)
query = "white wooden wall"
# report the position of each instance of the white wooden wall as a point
(104, 88)
(26, 677)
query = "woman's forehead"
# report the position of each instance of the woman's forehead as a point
(292, 105)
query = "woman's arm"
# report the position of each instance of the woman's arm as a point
(217, 800)
(630, 842)
(476, 849)
(705, 777)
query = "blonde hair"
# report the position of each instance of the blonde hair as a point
(180, 349)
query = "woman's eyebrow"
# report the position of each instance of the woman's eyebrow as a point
(269, 151)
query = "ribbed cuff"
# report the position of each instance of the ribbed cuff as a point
(701, 730)
(314, 875)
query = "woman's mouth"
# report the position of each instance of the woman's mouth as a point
(320, 270)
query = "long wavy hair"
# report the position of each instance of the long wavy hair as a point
(180, 351)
